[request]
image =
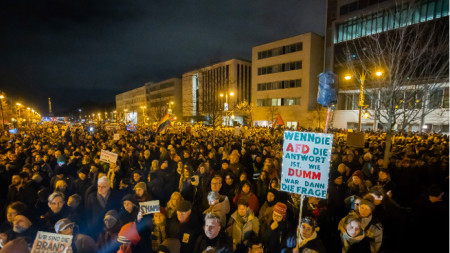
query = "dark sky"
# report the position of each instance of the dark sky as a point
(78, 50)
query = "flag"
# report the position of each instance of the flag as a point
(278, 122)
(163, 124)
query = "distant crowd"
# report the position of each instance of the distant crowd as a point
(218, 191)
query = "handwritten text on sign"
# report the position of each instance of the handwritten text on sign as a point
(108, 157)
(51, 243)
(149, 207)
(306, 162)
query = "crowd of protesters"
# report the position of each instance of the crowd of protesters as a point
(219, 191)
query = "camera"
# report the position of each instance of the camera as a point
(195, 180)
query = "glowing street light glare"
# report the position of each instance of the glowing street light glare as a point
(221, 94)
(2, 97)
(231, 94)
(347, 77)
(378, 73)
(18, 104)
(366, 115)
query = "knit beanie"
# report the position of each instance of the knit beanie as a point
(183, 206)
(358, 173)
(129, 234)
(112, 214)
(280, 208)
(131, 198)
(368, 203)
(141, 185)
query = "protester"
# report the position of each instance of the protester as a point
(410, 187)
(214, 237)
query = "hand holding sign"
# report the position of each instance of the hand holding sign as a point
(149, 207)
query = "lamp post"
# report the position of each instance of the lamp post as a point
(362, 78)
(143, 112)
(1, 107)
(18, 114)
(170, 107)
(125, 115)
(225, 108)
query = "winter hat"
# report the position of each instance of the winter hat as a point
(170, 245)
(131, 198)
(129, 234)
(112, 214)
(367, 203)
(63, 224)
(141, 185)
(61, 159)
(280, 208)
(18, 245)
(84, 170)
(310, 221)
(184, 206)
(358, 173)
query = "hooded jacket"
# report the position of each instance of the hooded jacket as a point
(242, 228)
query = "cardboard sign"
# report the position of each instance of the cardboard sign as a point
(51, 243)
(237, 131)
(355, 139)
(108, 157)
(116, 137)
(306, 163)
(149, 207)
(112, 127)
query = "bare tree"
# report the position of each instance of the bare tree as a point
(414, 62)
(246, 109)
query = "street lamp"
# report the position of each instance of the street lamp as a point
(362, 78)
(170, 107)
(18, 115)
(143, 112)
(226, 105)
(125, 115)
(1, 107)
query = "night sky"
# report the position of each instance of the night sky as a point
(79, 50)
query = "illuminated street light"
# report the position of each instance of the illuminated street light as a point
(1, 108)
(366, 115)
(361, 80)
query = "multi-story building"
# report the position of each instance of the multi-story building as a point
(351, 24)
(202, 90)
(128, 105)
(163, 97)
(147, 104)
(285, 79)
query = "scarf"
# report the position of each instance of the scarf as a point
(348, 241)
(158, 235)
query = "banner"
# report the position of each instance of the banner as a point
(149, 207)
(306, 163)
(108, 157)
(51, 243)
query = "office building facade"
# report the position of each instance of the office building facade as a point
(285, 79)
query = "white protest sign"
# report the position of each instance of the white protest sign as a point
(306, 163)
(108, 157)
(237, 131)
(51, 243)
(149, 207)
(116, 137)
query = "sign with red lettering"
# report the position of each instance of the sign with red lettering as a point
(306, 162)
